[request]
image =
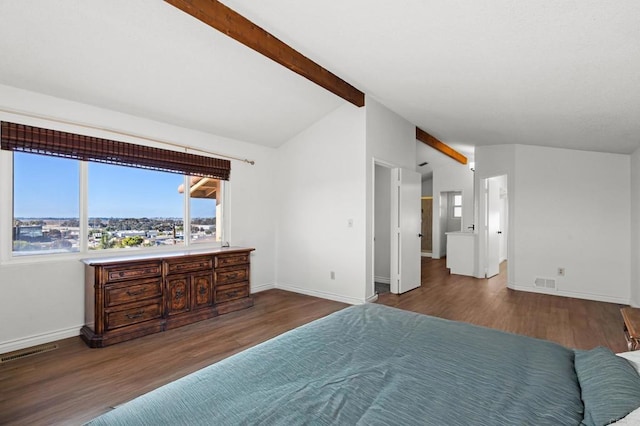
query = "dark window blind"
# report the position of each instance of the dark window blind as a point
(36, 140)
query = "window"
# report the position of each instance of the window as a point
(125, 195)
(205, 197)
(131, 207)
(46, 206)
(457, 205)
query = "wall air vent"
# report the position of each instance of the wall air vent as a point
(545, 283)
(11, 356)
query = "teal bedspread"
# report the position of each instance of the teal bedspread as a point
(374, 365)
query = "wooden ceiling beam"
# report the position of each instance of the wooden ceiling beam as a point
(236, 26)
(433, 142)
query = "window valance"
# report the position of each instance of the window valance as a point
(36, 140)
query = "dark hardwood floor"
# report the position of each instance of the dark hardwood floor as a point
(73, 384)
(575, 323)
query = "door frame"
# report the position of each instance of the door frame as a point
(371, 284)
(481, 228)
(390, 166)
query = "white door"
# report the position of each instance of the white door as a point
(406, 189)
(493, 227)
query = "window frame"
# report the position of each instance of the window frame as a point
(454, 205)
(6, 220)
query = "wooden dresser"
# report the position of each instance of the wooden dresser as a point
(131, 296)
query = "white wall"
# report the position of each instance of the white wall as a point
(382, 219)
(320, 187)
(458, 178)
(568, 209)
(427, 187)
(635, 229)
(44, 301)
(390, 140)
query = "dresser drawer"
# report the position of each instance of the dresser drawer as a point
(133, 270)
(132, 291)
(232, 292)
(178, 266)
(231, 275)
(232, 259)
(133, 315)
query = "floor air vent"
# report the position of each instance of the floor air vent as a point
(545, 283)
(11, 356)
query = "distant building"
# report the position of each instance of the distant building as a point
(28, 233)
(123, 234)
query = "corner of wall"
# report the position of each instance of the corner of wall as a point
(634, 284)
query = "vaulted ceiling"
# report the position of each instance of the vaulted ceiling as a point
(470, 72)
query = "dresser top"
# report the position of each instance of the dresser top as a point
(162, 255)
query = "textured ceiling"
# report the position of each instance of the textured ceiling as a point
(470, 72)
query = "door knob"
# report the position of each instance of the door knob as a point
(499, 232)
(419, 235)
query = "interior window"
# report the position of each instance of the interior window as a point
(457, 205)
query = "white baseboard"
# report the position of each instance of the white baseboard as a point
(576, 295)
(372, 299)
(262, 287)
(321, 294)
(383, 280)
(425, 254)
(39, 339)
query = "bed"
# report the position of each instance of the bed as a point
(372, 364)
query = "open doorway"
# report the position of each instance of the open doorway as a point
(496, 229)
(426, 245)
(396, 229)
(382, 229)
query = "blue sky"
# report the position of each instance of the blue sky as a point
(49, 187)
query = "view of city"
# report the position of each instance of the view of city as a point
(127, 207)
(53, 235)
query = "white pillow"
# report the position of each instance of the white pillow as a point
(631, 419)
(633, 357)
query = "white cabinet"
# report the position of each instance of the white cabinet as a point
(461, 252)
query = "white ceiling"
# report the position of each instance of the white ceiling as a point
(147, 58)
(470, 72)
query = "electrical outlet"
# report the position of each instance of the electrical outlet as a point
(561, 272)
(333, 275)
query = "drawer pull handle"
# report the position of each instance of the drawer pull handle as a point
(232, 276)
(136, 315)
(192, 265)
(135, 293)
(232, 293)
